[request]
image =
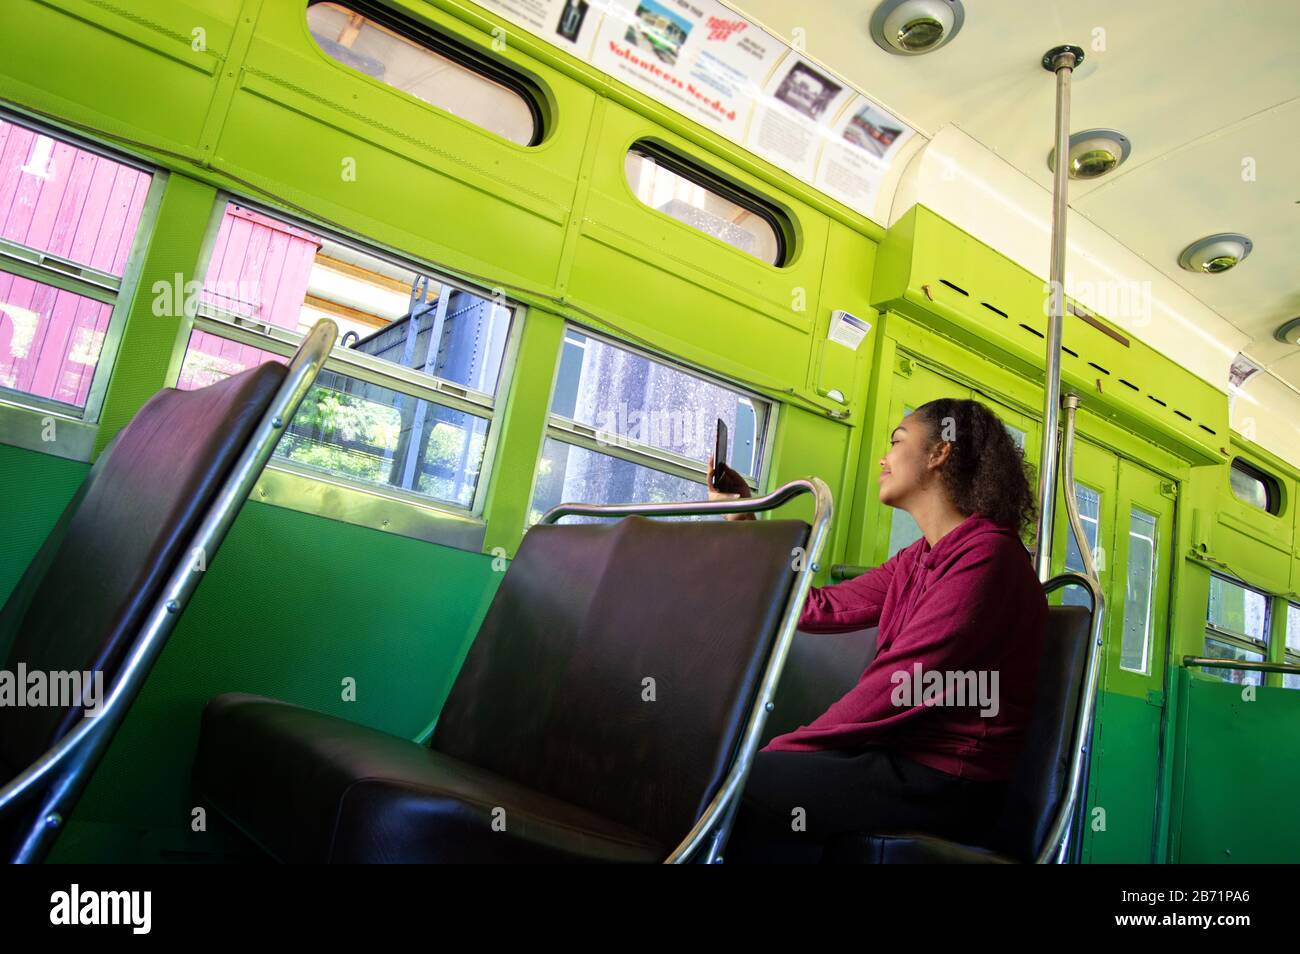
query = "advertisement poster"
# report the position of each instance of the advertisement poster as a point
(715, 67)
(697, 57)
(569, 24)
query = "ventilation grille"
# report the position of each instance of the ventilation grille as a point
(1104, 329)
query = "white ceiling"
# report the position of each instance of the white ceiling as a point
(1198, 86)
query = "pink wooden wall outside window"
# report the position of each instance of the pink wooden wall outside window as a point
(77, 205)
(260, 268)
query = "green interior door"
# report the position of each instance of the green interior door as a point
(1124, 779)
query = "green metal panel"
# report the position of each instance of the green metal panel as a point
(1238, 774)
(150, 339)
(523, 423)
(290, 607)
(997, 306)
(34, 489)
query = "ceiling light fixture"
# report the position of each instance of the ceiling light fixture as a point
(913, 27)
(1215, 253)
(1093, 153)
(1289, 332)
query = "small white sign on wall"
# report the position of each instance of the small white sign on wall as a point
(848, 330)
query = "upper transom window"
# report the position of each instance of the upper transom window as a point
(437, 74)
(676, 189)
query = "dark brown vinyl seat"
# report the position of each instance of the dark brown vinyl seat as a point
(596, 716)
(1039, 785)
(83, 600)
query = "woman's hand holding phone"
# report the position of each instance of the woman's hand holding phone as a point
(728, 479)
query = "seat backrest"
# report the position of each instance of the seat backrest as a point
(125, 532)
(820, 670)
(1038, 785)
(618, 662)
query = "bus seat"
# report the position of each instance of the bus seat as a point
(82, 603)
(595, 717)
(1038, 787)
(819, 670)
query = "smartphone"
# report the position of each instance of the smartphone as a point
(719, 454)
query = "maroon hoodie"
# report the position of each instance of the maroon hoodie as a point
(957, 651)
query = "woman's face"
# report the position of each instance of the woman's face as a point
(906, 469)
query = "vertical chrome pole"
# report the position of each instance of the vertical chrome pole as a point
(1060, 60)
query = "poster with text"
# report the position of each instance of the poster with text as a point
(693, 55)
(569, 24)
(719, 69)
(796, 116)
(855, 160)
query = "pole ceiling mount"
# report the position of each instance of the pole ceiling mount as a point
(1049, 58)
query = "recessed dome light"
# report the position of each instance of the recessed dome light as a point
(913, 27)
(1093, 153)
(1215, 253)
(1289, 332)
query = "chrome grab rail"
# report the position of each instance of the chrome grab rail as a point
(1055, 845)
(715, 823)
(1071, 498)
(68, 763)
(1210, 662)
(1060, 60)
(847, 571)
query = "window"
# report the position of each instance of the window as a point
(1088, 503)
(1236, 628)
(69, 218)
(1017, 436)
(1292, 652)
(627, 428)
(428, 68)
(1252, 486)
(409, 398)
(676, 189)
(1139, 589)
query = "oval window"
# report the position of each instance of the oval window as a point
(690, 196)
(439, 77)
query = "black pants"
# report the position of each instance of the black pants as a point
(874, 789)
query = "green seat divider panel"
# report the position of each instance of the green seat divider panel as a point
(292, 606)
(34, 489)
(1237, 773)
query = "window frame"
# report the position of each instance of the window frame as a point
(364, 367)
(1289, 655)
(63, 274)
(1241, 641)
(1272, 486)
(453, 48)
(567, 431)
(1149, 623)
(714, 182)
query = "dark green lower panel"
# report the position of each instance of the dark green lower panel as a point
(34, 489)
(1237, 774)
(292, 605)
(1122, 787)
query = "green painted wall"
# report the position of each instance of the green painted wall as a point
(1237, 774)
(34, 489)
(289, 607)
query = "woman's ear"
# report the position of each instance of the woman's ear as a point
(939, 454)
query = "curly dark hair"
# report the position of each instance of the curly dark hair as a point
(985, 472)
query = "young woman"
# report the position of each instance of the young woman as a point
(929, 736)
